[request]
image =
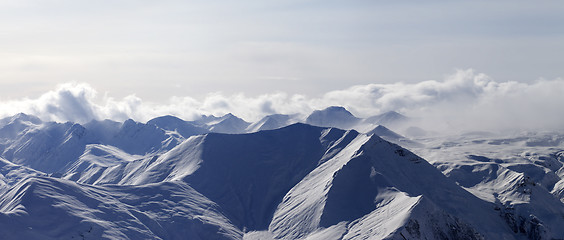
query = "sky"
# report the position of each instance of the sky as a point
(125, 58)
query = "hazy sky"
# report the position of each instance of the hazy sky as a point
(159, 49)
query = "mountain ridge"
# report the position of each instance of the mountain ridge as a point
(297, 181)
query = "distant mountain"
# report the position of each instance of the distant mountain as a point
(393, 137)
(171, 123)
(19, 118)
(138, 138)
(388, 119)
(415, 132)
(103, 130)
(48, 147)
(385, 133)
(271, 122)
(204, 120)
(334, 116)
(52, 147)
(13, 126)
(229, 123)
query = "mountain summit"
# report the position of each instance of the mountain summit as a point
(334, 116)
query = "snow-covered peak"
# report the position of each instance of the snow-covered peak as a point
(205, 119)
(271, 122)
(138, 138)
(172, 123)
(389, 119)
(166, 120)
(20, 118)
(382, 131)
(103, 130)
(228, 115)
(11, 127)
(228, 123)
(333, 117)
(393, 137)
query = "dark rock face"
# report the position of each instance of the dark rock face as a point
(529, 226)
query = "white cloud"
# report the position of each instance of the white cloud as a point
(69, 102)
(464, 100)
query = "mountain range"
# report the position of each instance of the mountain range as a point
(330, 175)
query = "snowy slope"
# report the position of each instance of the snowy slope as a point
(95, 157)
(374, 180)
(520, 174)
(11, 174)
(157, 211)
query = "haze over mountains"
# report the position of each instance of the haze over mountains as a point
(464, 100)
(277, 178)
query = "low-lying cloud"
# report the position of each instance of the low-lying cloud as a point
(465, 100)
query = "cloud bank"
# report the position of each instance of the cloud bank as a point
(465, 100)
